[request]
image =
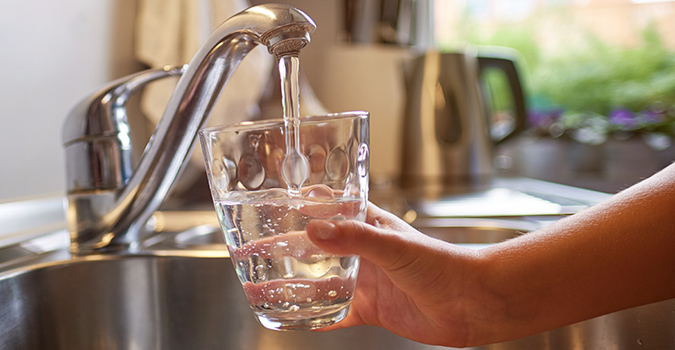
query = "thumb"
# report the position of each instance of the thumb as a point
(386, 248)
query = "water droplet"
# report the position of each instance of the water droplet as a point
(332, 294)
(639, 341)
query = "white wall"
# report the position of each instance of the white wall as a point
(52, 53)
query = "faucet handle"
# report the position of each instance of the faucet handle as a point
(96, 133)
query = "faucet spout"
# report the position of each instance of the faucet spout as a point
(104, 220)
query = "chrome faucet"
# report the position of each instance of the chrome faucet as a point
(109, 204)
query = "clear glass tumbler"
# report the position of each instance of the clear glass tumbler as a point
(289, 282)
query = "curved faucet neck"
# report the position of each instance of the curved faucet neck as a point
(283, 29)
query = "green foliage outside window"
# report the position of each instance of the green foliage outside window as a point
(592, 90)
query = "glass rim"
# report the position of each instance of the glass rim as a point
(270, 123)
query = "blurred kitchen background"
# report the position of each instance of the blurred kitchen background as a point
(599, 76)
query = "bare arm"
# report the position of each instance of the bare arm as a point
(613, 256)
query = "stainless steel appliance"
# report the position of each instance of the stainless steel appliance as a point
(448, 131)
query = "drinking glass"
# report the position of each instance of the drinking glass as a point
(265, 194)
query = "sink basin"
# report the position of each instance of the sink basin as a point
(191, 299)
(183, 293)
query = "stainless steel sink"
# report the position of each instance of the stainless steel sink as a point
(149, 302)
(195, 302)
(182, 293)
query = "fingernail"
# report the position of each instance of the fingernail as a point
(324, 230)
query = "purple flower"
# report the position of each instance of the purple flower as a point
(622, 117)
(652, 117)
(543, 118)
(534, 117)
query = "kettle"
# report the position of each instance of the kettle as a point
(448, 135)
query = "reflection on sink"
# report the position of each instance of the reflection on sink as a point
(474, 232)
(196, 229)
(178, 302)
(204, 236)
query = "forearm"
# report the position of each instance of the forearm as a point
(615, 255)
